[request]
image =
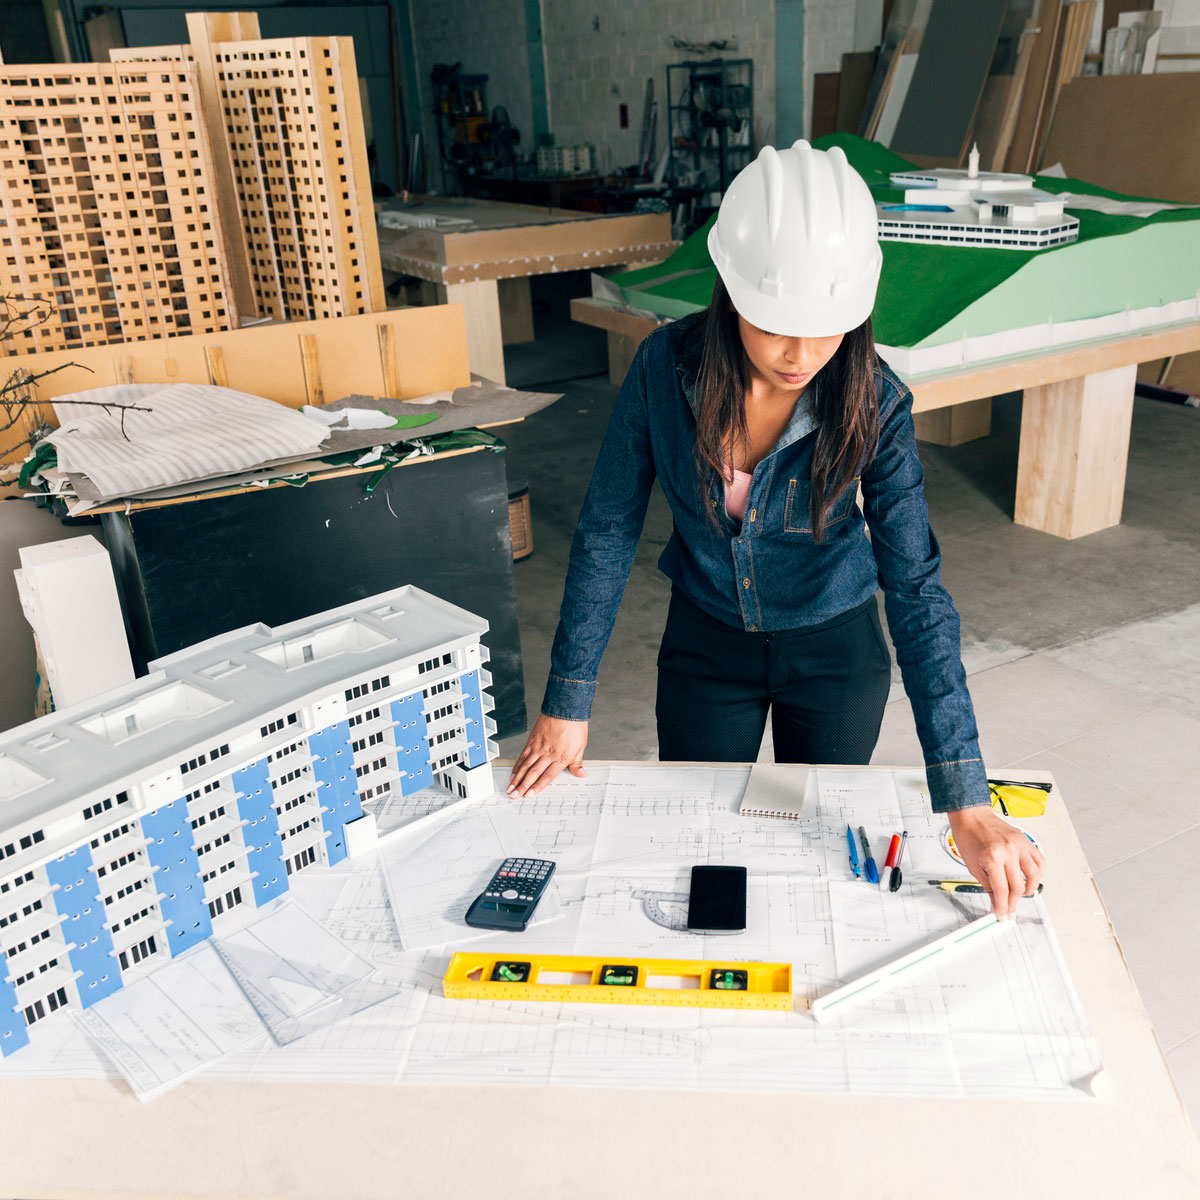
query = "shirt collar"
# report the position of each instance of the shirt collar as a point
(803, 419)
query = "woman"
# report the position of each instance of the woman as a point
(761, 418)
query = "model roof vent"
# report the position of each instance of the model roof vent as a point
(219, 670)
(16, 778)
(384, 611)
(175, 702)
(46, 741)
(342, 637)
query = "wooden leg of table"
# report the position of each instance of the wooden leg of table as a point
(1074, 448)
(485, 344)
(955, 424)
(516, 310)
(621, 349)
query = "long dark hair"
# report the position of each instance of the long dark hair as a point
(846, 407)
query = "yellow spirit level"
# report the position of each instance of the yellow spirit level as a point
(683, 982)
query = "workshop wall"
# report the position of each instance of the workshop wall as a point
(599, 56)
(833, 28)
(487, 39)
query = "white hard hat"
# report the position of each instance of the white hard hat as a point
(796, 242)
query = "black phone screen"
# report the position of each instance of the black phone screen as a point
(717, 899)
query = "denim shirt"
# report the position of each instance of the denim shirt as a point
(768, 573)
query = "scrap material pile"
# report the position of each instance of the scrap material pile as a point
(269, 404)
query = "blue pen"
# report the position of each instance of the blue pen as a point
(871, 869)
(853, 853)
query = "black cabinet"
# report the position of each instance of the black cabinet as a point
(191, 570)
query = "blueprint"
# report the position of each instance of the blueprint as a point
(999, 1019)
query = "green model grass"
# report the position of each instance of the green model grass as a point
(930, 295)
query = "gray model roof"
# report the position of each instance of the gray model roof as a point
(66, 758)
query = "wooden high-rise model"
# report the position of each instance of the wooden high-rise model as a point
(285, 119)
(182, 189)
(108, 213)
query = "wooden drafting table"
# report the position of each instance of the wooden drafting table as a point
(486, 266)
(70, 1138)
(1075, 422)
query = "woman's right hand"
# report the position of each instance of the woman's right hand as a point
(552, 744)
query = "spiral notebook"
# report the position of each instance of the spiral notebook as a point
(775, 790)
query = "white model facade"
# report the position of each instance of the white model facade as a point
(973, 208)
(131, 824)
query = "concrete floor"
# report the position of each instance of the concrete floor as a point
(1083, 657)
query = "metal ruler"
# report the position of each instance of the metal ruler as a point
(683, 982)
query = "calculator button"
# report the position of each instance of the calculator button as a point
(509, 893)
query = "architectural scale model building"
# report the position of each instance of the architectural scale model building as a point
(285, 119)
(970, 208)
(108, 205)
(133, 824)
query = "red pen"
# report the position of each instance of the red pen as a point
(895, 851)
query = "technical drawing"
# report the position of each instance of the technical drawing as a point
(1005, 1022)
(135, 822)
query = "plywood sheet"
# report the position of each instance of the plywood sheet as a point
(956, 53)
(1042, 61)
(1131, 133)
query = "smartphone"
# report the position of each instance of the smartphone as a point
(717, 901)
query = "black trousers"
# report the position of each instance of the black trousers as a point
(825, 687)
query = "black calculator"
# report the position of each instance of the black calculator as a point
(509, 899)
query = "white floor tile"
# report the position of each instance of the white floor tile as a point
(1155, 754)
(1151, 900)
(1184, 1061)
(1113, 824)
(1159, 658)
(1047, 702)
(899, 746)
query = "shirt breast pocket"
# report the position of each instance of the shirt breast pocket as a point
(796, 517)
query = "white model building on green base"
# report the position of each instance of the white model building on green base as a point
(973, 208)
(132, 823)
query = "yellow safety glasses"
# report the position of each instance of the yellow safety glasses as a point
(1015, 799)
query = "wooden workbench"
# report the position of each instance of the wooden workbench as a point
(86, 1137)
(1075, 422)
(486, 266)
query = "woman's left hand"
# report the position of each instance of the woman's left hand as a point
(998, 854)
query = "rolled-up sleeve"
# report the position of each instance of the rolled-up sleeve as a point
(603, 550)
(922, 620)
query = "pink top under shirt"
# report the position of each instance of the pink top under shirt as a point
(736, 490)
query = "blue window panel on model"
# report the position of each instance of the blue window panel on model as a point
(412, 744)
(177, 875)
(13, 1034)
(86, 924)
(333, 765)
(264, 848)
(472, 707)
